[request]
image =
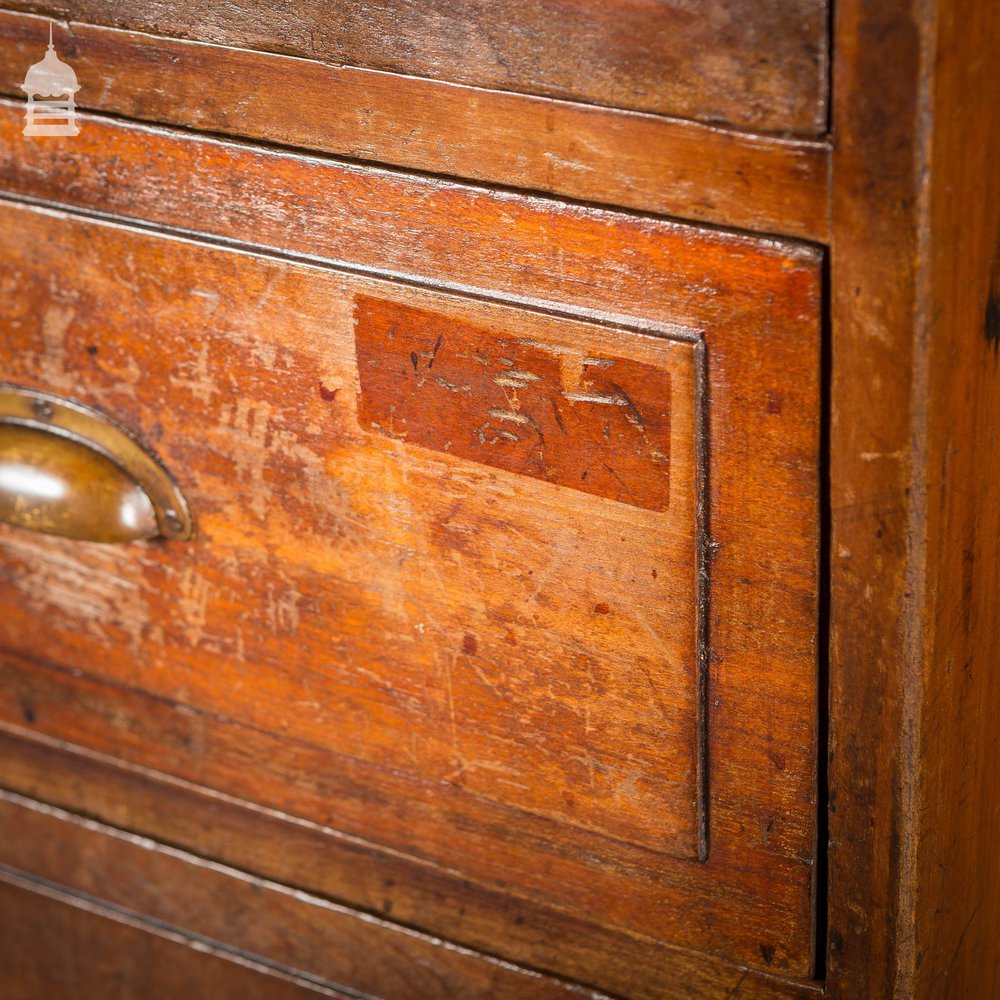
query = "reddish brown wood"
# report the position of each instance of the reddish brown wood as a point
(913, 472)
(473, 670)
(299, 853)
(870, 479)
(464, 236)
(62, 948)
(640, 161)
(914, 874)
(956, 895)
(759, 64)
(295, 931)
(602, 425)
(301, 627)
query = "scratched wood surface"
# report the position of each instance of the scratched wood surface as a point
(676, 167)
(759, 64)
(301, 934)
(602, 425)
(461, 235)
(434, 648)
(394, 631)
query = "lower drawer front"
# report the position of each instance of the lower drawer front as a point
(520, 595)
(61, 947)
(91, 911)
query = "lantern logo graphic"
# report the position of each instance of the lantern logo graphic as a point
(50, 78)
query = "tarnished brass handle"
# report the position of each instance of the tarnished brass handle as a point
(66, 469)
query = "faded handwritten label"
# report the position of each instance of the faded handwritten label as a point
(599, 424)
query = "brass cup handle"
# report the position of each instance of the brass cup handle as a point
(67, 469)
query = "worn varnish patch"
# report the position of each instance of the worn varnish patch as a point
(597, 424)
(517, 643)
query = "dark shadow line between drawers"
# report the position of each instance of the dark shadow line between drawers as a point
(301, 895)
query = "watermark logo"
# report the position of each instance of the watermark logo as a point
(50, 78)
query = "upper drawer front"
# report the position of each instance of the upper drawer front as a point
(671, 166)
(507, 521)
(754, 64)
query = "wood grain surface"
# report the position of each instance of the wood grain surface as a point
(956, 897)
(915, 870)
(379, 622)
(294, 852)
(300, 934)
(667, 165)
(168, 741)
(455, 681)
(540, 250)
(602, 425)
(758, 64)
(62, 947)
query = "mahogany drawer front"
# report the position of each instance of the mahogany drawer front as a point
(755, 64)
(507, 523)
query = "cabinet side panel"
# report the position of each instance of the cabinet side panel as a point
(915, 510)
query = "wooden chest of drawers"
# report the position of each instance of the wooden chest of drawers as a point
(576, 596)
